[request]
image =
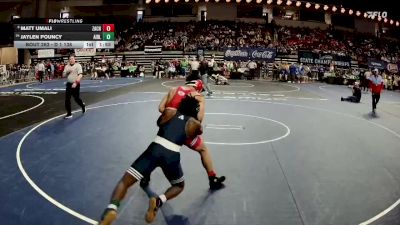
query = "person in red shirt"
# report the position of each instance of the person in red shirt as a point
(376, 86)
(171, 102)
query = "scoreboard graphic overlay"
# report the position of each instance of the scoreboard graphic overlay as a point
(62, 33)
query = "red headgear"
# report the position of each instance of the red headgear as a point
(197, 84)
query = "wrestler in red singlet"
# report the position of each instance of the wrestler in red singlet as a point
(174, 103)
(180, 94)
(171, 102)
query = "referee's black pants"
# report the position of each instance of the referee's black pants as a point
(41, 74)
(74, 92)
(375, 100)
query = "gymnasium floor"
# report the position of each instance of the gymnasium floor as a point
(293, 154)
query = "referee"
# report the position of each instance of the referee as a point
(41, 69)
(73, 71)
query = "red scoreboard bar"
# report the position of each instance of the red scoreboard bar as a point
(108, 27)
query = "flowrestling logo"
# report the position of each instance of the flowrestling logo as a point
(374, 14)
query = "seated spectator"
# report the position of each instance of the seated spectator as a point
(356, 97)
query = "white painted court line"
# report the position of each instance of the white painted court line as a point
(91, 221)
(380, 215)
(224, 127)
(391, 207)
(36, 187)
(164, 84)
(87, 86)
(39, 84)
(321, 99)
(256, 142)
(26, 110)
(247, 85)
(294, 90)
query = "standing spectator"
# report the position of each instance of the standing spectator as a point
(158, 69)
(184, 66)
(204, 74)
(51, 76)
(376, 85)
(41, 68)
(211, 65)
(74, 72)
(252, 69)
(292, 72)
(194, 65)
(366, 77)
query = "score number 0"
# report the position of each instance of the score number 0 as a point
(108, 28)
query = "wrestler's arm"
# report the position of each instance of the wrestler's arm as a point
(163, 103)
(193, 128)
(165, 117)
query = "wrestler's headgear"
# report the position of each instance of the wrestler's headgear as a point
(197, 84)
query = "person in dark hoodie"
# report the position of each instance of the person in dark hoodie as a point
(356, 97)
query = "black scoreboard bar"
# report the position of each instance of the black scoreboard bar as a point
(57, 21)
(59, 36)
(63, 33)
(59, 27)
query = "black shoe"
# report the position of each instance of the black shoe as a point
(341, 99)
(144, 182)
(84, 108)
(216, 182)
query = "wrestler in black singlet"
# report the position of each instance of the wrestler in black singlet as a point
(164, 151)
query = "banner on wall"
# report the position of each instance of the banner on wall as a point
(85, 52)
(308, 57)
(45, 53)
(245, 54)
(378, 64)
(152, 49)
(3, 69)
(393, 68)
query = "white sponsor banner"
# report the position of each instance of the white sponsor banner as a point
(153, 49)
(392, 67)
(3, 69)
(45, 53)
(85, 52)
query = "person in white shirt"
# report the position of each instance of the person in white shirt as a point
(194, 65)
(252, 69)
(41, 68)
(73, 71)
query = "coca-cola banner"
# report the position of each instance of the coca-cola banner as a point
(245, 54)
(308, 57)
